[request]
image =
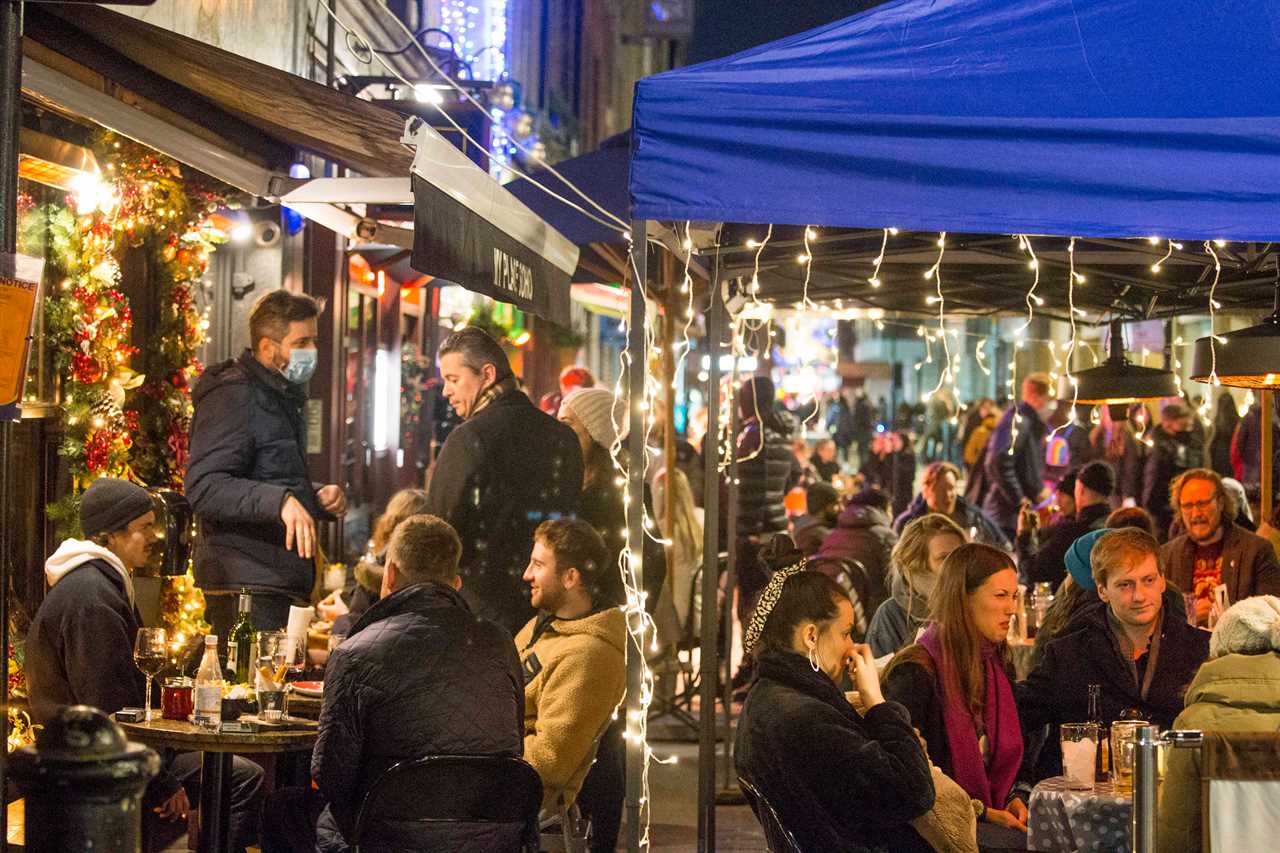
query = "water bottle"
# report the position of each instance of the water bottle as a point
(208, 698)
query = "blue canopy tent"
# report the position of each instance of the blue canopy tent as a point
(1108, 118)
(1096, 119)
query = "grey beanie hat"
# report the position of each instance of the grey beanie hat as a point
(1249, 627)
(110, 504)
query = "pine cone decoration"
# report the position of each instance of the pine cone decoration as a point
(106, 408)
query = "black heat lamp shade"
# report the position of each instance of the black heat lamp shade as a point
(1249, 358)
(1116, 381)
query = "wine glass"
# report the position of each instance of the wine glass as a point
(150, 653)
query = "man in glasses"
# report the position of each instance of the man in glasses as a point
(1215, 551)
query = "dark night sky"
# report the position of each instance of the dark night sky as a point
(722, 27)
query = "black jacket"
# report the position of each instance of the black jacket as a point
(912, 681)
(1087, 652)
(894, 474)
(839, 782)
(1047, 563)
(863, 533)
(977, 526)
(418, 675)
(500, 474)
(1013, 476)
(79, 651)
(1170, 456)
(248, 452)
(762, 479)
(603, 508)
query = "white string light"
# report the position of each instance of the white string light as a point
(1072, 278)
(884, 244)
(754, 289)
(1214, 305)
(807, 260)
(935, 273)
(1159, 265)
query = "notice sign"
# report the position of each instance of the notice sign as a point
(19, 299)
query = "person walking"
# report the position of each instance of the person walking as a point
(1175, 449)
(247, 478)
(1014, 464)
(503, 471)
(1225, 420)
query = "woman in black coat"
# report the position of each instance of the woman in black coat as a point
(838, 781)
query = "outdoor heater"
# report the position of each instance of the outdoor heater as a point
(1116, 382)
(1247, 358)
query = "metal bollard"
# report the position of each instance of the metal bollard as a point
(1145, 777)
(83, 785)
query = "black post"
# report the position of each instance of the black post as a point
(708, 664)
(637, 756)
(10, 115)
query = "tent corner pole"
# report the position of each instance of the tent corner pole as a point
(636, 361)
(708, 663)
(1267, 401)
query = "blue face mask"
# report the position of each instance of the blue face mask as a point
(301, 366)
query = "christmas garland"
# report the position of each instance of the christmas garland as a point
(120, 421)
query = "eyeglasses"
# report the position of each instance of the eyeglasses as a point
(1198, 505)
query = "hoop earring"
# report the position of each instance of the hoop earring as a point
(814, 663)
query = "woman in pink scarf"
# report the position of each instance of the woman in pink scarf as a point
(955, 682)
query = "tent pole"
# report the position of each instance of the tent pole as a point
(669, 413)
(637, 356)
(708, 664)
(1267, 401)
(731, 572)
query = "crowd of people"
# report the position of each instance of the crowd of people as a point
(484, 617)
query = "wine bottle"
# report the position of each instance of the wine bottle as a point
(1100, 768)
(240, 643)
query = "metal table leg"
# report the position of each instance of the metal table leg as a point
(215, 802)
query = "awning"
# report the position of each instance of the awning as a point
(468, 229)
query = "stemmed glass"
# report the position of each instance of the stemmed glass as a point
(150, 653)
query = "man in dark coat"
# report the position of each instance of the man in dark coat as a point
(863, 533)
(1014, 463)
(822, 507)
(419, 675)
(80, 646)
(507, 468)
(940, 493)
(1175, 449)
(1130, 643)
(1215, 550)
(1042, 553)
(247, 479)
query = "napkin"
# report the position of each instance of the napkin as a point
(300, 618)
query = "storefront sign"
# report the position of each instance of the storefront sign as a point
(20, 293)
(453, 243)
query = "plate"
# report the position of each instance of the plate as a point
(309, 688)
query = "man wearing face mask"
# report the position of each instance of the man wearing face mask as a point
(1014, 464)
(247, 477)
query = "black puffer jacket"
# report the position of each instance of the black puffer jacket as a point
(839, 782)
(500, 474)
(248, 452)
(1013, 476)
(763, 477)
(418, 675)
(1086, 652)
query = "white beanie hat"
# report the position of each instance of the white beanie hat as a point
(594, 408)
(1249, 627)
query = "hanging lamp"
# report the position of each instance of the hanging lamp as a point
(1116, 382)
(1247, 358)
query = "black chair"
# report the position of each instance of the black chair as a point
(778, 838)
(452, 789)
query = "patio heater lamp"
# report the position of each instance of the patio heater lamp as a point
(1247, 358)
(1116, 382)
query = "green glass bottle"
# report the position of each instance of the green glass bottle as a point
(240, 643)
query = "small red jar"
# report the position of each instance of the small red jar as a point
(177, 699)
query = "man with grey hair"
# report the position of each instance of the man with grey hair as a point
(507, 468)
(419, 674)
(1129, 642)
(1215, 551)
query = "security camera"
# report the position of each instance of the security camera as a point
(266, 233)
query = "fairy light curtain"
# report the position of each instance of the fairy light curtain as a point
(1112, 118)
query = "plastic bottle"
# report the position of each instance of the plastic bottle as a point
(208, 698)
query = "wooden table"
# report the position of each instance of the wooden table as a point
(306, 707)
(217, 749)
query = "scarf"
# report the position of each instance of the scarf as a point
(987, 780)
(492, 392)
(1126, 649)
(913, 593)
